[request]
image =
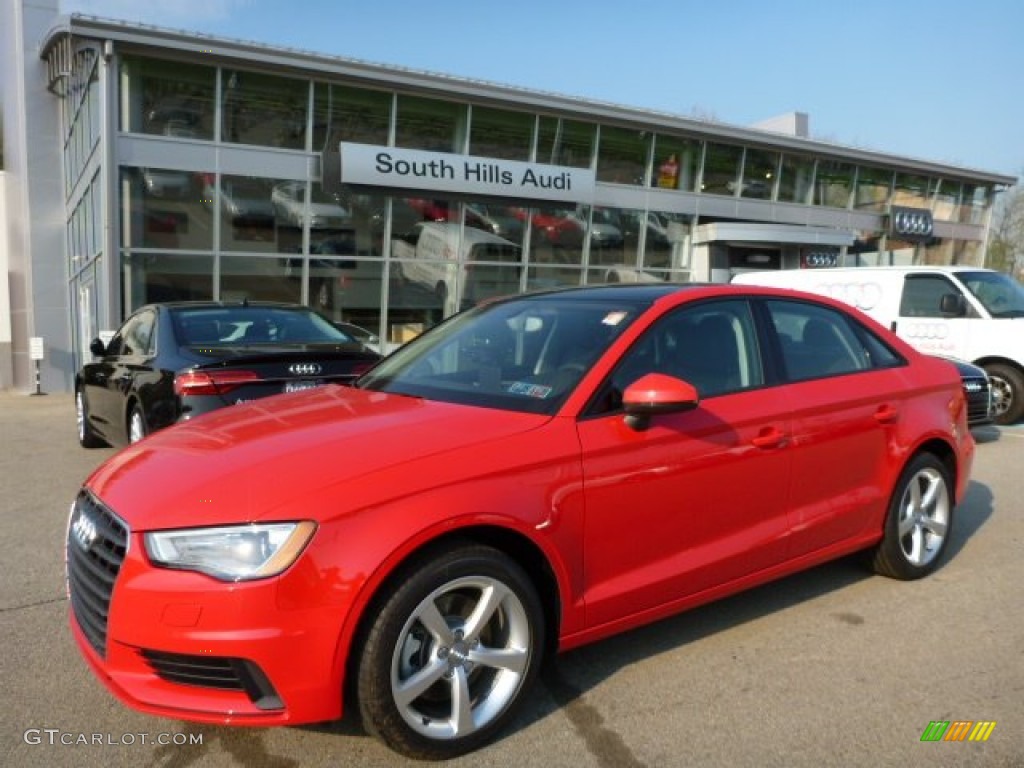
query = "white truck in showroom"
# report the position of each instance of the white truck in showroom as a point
(963, 312)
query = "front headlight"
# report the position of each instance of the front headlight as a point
(231, 553)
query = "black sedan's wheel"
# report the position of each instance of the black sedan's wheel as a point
(1007, 393)
(451, 653)
(136, 424)
(919, 521)
(87, 438)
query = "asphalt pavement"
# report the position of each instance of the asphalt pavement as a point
(831, 667)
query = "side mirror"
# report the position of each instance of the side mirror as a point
(656, 393)
(953, 305)
(97, 348)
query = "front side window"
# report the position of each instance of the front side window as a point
(713, 346)
(922, 295)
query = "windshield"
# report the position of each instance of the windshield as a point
(524, 355)
(1000, 294)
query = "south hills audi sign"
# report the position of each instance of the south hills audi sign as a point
(465, 174)
(915, 225)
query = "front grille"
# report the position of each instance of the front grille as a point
(96, 545)
(225, 673)
(977, 392)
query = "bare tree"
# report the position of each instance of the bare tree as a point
(1006, 239)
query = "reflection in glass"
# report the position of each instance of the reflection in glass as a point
(341, 114)
(347, 289)
(501, 133)
(430, 124)
(676, 161)
(947, 196)
(450, 267)
(264, 109)
(873, 187)
(721, 169)
(759, 171)
(162, 208)
(152, 277)
(169, 98)
(911, 190)
(565, 142)
(833, 184)
(264, 278)
(795, 179)
(622, 155)
(246, 213)
(557, 233)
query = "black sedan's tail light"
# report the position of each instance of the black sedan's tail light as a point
(193, 383)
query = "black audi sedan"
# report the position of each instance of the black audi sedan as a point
(170, 362)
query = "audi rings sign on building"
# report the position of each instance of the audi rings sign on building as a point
(305, 369)
(914, 224)
(819, 259)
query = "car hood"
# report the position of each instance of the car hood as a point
(261, 459)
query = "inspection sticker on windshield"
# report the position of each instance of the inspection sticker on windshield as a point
(530, 390)
(614, 318)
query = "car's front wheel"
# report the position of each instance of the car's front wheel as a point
(919, 521)
(451, 653)
(1007, 393)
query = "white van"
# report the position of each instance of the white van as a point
(433, 252)
(964, 312)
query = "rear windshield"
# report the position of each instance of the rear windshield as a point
(212, 326)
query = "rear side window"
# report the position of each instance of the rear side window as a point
(818, 342)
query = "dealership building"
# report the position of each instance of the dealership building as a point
(143, 164)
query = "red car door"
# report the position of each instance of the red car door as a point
(698, 498)
(846, 397)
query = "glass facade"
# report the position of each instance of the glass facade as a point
(397, 261)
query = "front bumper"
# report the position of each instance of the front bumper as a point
(186, 646)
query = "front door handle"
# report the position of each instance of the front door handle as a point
(886, 414)
(769, 437)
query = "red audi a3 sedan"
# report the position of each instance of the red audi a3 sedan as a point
(533, 474)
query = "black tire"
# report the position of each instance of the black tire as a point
(1007, 393)
(87, 438)
(450, 656)
(919, 521)
(137, 427)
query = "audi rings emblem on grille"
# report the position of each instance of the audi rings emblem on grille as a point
(84, 531)
(305, 369)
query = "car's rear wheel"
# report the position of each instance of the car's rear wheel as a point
(136, 424)
(919, 521)
(87, 438)
(1007, 393)
(451, 653)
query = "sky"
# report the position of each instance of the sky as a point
(937, 80)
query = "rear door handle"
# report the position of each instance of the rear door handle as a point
(886, 414)
(769, 437)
